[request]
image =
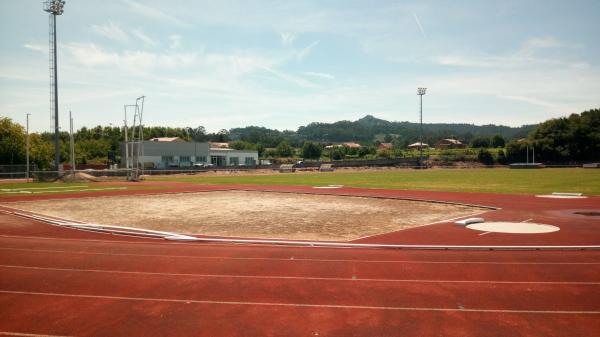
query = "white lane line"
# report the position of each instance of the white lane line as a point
(304, 305)
(484, 233)
(43, 188)
(9, 333)
(352, 279)
(291, 258)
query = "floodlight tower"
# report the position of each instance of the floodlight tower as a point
(54, 8)
(421, 92)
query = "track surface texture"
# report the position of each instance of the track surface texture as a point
(58, 281)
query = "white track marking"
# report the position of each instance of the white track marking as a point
(350, 279)
(484, 233)
(42, 188)
(303, 305)
(62, 191)
(423, 225)
(293, 259)
(527, 220)
(8, 333)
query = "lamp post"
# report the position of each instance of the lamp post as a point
(421, 92)
(54, 8)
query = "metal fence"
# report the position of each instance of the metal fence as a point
(16, 171)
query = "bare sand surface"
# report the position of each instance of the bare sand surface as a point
(253, 214)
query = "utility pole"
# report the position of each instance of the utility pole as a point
(72, 141)
(421, 92)
(27, 147)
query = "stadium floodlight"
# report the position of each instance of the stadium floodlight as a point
(54, 8)
(421, 92)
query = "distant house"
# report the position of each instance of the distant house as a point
(214, 145)
(418, 145)
(166, 139)
(349, 144)
(449, 144)
(385, 146)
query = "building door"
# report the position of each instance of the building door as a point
(217, 160)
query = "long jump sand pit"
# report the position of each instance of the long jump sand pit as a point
(253, 214)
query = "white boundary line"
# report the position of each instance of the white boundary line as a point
(303, 305)
(294, 259)
(311, 278)
(180, 237)
(9, 333)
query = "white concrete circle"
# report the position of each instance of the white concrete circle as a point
(513, 227)
(554, 196)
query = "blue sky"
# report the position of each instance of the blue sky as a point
(282, 64)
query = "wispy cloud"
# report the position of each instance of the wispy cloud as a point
(145, 38)
(111, 31)
(37, 47)
(287, 39)
(306, 50)
(175, 41)
(90, 54)
(154, 13)
(530, 100)
(419, 25)
(526, 56)
(320, 75)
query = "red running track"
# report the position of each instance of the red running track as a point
(63, 282)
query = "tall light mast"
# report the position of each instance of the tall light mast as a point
(54, 8)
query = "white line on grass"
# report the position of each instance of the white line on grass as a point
(303, 305)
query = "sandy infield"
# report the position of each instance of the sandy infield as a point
(253, 214)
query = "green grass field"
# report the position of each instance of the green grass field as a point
(498, 180)
(508, 181)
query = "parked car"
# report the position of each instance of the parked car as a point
(203, 165)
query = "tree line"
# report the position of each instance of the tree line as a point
(575, 138)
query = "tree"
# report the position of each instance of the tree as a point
(241, 145)
(284, 149)
(497, 141)
(502, 158)
(336, 153)
(485, 157)
(480, 142)
(12, 142)
(311, 150)
(222, 136)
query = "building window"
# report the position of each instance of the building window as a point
(167, 159)
(200, 159)
(249, 161)
(234, 161)
(184, 159)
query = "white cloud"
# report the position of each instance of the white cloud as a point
(111, 31)
(419, 25)
(320, 75)
(154, 13)
(145, 38)
(92, 55)
(175, 41)
(37, 47)
(307, 50)
(287, 39)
